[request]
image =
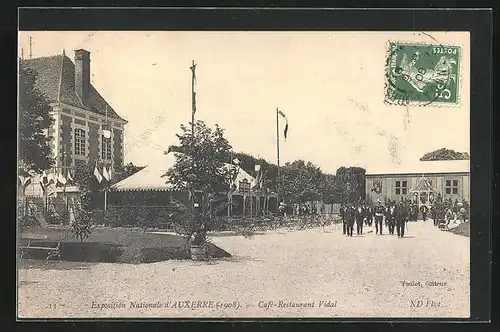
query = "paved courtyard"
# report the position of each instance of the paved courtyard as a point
(308, 273)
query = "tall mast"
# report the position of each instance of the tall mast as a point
(31, 43)
(193, 95)
(278, 155)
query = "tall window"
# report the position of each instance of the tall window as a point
(80, 142)
(401, 187)
(451, 187)
(105, 148)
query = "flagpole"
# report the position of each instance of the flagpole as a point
(64, 185)
(278, 155)
(193, 97)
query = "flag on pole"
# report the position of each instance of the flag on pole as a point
(97, 174)
(285, 132)
(193, 69)
(109, 173)
(70, 178)
(105, 173)
(257, 180)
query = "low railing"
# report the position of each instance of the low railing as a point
(273, 223)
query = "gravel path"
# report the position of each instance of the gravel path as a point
(309, 273)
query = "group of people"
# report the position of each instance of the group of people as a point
(393, 214)
(306, 209)
(444, 211)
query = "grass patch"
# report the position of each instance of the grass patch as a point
(462, 229)
(119, 245)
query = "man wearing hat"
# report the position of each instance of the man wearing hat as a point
(401, 217)
(379, 217)
(424, 209)
(359, 218)
(343, 215)
(350, 219)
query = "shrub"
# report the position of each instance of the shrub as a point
(24, 218)
(144, 217)
(82, 225)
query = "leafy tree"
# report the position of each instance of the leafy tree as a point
(329, 192)
(302, 182)
(350, 183)
(201, 164)
(34, 118)
(445, 154)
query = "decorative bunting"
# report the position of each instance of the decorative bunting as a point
(97, 174)
(105, 173)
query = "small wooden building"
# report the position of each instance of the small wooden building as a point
(421, 180)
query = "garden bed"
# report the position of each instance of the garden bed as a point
(120, 245)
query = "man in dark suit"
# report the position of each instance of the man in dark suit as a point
(401, 215)
(424, 209)
(359, 216)
(350, 219)
(390, 217)
(343, 215)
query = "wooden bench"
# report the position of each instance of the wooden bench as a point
(26, 244)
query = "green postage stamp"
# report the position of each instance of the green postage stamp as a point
(422, 74)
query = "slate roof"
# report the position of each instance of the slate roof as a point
(56, 80)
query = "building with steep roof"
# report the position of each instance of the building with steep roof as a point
(86, 127)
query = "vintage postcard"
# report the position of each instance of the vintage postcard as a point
(169, 174)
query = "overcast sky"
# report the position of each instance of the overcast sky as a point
(329, 84)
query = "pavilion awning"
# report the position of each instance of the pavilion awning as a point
(149, 178)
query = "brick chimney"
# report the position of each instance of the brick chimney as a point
(82, 75)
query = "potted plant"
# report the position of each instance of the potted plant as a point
(196, 218)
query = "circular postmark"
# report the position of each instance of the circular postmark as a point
(420, 73)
